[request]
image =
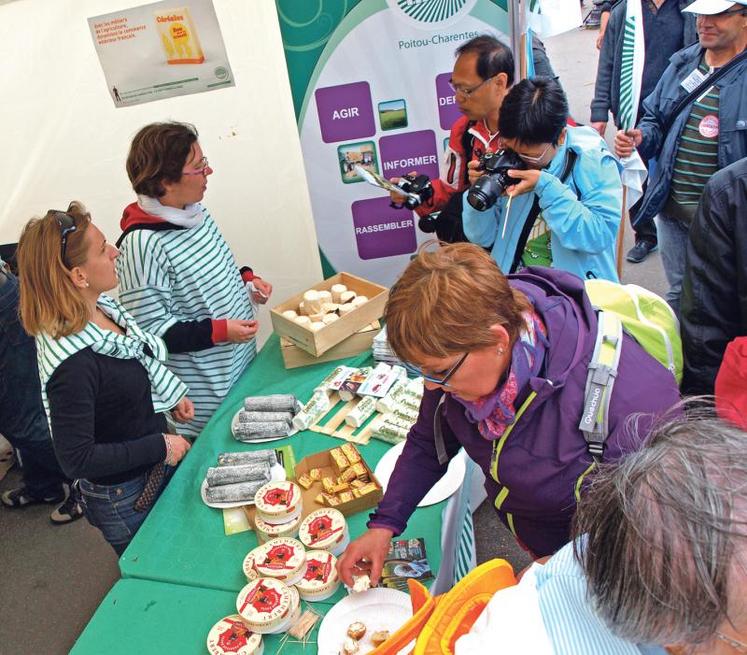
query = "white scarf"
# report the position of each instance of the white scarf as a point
(166, 389)
(190, 216)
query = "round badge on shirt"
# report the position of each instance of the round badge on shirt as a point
(708, 126)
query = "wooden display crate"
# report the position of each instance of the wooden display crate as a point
(293, 356)
(318, 343)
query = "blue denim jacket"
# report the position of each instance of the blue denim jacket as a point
(732, 116)
(583, 213)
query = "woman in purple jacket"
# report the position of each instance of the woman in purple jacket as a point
(505, 362)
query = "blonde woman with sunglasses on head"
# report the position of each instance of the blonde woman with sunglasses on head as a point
(104, 385)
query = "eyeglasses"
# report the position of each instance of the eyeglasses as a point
(443, 381)
(67, 226)
(535, 160)
(467, 91)
(202, 168)
(737, 645)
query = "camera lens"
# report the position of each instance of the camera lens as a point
(427, 224)
(484, 193)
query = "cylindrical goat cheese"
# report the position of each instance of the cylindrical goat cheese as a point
(303, 321)
(320, 580)
(317, 406)
(278, 501)
(278, 402)
(282, 558)
(220, 475)
(337, 291)
(312, 301)
(265, 605)
(239, 492)
(267, 531)
(231, 636)
(252, 417)
(325, 529)
(290, 314)
(360, 413)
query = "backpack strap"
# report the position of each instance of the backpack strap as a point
(154, 227)
(600, 381)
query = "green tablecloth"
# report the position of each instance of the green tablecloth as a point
(183, 541)
(139, 617)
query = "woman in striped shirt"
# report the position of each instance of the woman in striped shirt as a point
(104, 387)
(177, 276)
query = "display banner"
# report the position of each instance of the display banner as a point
(370, 84)
(161, 50)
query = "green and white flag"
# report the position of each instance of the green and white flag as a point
(631, 75)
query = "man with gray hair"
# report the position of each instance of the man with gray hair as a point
(659, 563)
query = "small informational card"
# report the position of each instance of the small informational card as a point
(406, 560)
(161, 50)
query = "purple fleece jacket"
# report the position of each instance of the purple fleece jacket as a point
(545, 454)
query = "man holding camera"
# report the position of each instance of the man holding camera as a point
(557, 199)
(483, 73)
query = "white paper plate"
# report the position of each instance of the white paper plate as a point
(445, 487)
(235, 422)
(377, 609)
(277, 473)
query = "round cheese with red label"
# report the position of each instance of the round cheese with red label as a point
(266, 531)
(320, 580)
(282, 558)
(278, 501)
(231, 636)
(265, 605)
(325, 529)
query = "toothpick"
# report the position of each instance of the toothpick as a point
(505, 216)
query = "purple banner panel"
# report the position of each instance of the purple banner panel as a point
(381, 230)
(345, 112)
(448, 110)
(413, 151)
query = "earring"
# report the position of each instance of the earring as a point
(501, 351)
(88, 284)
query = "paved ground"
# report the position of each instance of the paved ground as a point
(55, 577)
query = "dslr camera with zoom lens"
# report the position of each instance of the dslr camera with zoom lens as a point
(485, 192)
(418, 189)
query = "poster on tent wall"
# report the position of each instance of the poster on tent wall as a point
(370, 84)
(161, 50)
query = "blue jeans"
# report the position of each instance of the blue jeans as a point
(22, 417)
(673, 247)
(111, 508)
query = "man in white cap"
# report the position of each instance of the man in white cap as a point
(693, 129)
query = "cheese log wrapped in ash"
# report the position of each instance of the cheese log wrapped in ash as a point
(252, 417)
(358, 415)
(318, 406)
(220, 475)
(261, 430)
(278, 402)
(234, 493)
(312, 301)
(337, 291)
(248, 457)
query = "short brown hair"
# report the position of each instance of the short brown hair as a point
(49, 302)
(158, 153)
(447, 299)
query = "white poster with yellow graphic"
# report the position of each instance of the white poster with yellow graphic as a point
(161, 50)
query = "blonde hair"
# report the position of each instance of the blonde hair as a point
(50, 302)
(446, 301)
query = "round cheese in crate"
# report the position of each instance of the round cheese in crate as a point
(231, 636)
(277, 502)
(266, 531)
(320, 580)
(324, 529)
(266, 605)
(282, 558)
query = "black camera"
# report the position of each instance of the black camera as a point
(485, 192)
(418, 189)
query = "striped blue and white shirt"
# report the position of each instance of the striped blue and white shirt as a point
(170, 276)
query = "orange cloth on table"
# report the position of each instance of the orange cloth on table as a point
(731, 384)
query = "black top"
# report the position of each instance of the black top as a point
(103, 424)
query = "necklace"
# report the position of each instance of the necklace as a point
(739, 646)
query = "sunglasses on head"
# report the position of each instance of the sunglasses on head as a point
(67, 225)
